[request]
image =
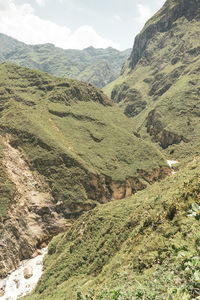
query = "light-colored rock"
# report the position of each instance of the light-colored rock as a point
(25, 227)
(24, 279)
(28, 272)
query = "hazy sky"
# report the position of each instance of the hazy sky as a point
(76, 24)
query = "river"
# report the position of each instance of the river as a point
(24, 279)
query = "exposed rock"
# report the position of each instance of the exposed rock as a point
(2, 287)
(28, 272)
(171, 11)
(168, 138)
(155, 175)
(156, 129)
(38, 251)
(32, 219)
(131, 98)
(134, 109)
(107, 189)
(153, 123)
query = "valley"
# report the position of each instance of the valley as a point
(104, 184)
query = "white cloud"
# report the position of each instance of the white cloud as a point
(117, 18)
(144, 13)
(21, 22)
(41, 2)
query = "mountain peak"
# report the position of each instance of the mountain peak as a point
(162, 21)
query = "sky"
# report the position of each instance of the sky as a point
(76, 24)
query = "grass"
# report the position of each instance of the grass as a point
(146, 246)
(96, 66)
(73, 135)
(7, 188)
(143, 246)
(166, 78)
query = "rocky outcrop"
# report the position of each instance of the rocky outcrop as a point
(32, 220)
(131, 98)
(105, 189)
(156, 129)
(153, 123)
(161, 22)
(168, 138)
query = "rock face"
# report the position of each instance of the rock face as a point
(131, 97)
(160, 86)
(165, 137)
(171, 11)
(32, 218)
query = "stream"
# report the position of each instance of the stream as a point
(171, 163)
(24, 279)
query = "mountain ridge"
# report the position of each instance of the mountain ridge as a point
(96, 66)
(134, 219)
(146, 246)
(164, 64)
(161, 22)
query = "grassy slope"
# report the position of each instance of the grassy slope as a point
(166, 78)
(146, 246)
(70, 130)
(6, 187)
(143, 246)
(97, 66)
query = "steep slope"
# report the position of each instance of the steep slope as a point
(32, 218)
(71, 135)
(160, 87)
(95, 66)
(144, 247)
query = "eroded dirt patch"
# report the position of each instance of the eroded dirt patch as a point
(32, 220)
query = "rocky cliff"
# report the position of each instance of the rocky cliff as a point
(163, 21)
(160, 85)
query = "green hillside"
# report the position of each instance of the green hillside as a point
(75, 137)
(160, 85)
(146, 246)
(95, 66)
(126, 226)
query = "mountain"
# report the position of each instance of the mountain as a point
(65, 148)
(160, 84)
(146, 246)
(95, 66)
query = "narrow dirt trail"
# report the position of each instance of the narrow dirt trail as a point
(32, 219)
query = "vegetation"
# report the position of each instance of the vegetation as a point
(95, 66)
(147, 245)
(7, 188)
(73, 135)
(161, 92)
(143, 246)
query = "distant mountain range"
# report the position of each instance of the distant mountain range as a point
(96, 66)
